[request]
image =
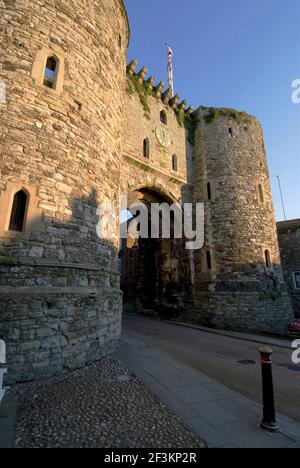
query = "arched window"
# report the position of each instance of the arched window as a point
(230, 132)
(146, 148)
(164, 117)
(209, 193)
(261, 193)
(18, 212)
(268, 259)
(174, 163)
(51, 72)
(208, 260)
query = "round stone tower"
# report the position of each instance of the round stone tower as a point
(239, 280)
(62, 72)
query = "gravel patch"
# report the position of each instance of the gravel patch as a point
(101, 406)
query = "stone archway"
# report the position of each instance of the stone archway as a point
(151, 280)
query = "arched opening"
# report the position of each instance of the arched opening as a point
(18, 212)
(151, 265)
(51, 72)
(268, 259)
(174, 163)
(163, 117)
(146, 148)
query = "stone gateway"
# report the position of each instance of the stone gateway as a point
(78, 128)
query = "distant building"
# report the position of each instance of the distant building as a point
(289, 243)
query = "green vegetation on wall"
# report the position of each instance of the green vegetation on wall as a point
(215, 113)
(180, 117)
(189, 122)
(142, 89)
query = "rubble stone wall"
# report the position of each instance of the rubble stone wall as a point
(239, 290)
(60, 300)
(289, 242)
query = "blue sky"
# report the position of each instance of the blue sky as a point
(232, 53)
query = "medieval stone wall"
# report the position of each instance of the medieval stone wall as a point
(152, 179)
(59, 284)
(289, 243)
(81, 142)
(236, 287)
(140, 122)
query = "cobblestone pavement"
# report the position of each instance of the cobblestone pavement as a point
(100, 406)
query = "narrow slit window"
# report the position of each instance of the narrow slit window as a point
(146, 148)
(230, 132)
(261, 193)
(120, 41)
(209, 193)
(164, 118)
(208, 260)
(268, 259)
(174, 163)
(18, 213)
(51, 72)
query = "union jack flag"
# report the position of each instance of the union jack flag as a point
(170, 54)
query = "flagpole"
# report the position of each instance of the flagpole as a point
(170, 70)
(282, 200)
(171, 79)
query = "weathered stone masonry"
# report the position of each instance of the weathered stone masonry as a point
(68, 147)
(240, 290)
(59, 284)
(289, 242)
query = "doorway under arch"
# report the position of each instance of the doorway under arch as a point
(151, 268)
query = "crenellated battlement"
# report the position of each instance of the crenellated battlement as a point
(147, 87)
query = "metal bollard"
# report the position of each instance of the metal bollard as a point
(269, 421)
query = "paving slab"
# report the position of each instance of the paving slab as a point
(212, 410)
(222, 417)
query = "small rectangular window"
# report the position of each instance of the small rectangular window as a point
(209, 194)
(50, 72)
(146, 148)
(297, 280)
(164, 118)
(230, 132)
(208, 260)
(174, 163)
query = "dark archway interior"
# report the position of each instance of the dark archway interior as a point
(151, 268)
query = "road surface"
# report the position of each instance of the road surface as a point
(219, 356)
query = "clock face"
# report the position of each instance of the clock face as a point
(163, 137)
